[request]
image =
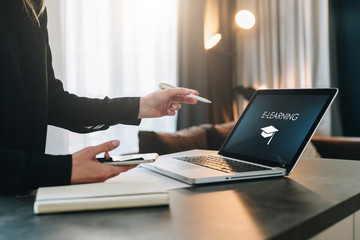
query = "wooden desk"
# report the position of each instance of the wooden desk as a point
(319, 193)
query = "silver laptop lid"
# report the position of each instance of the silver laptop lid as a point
(276, 126)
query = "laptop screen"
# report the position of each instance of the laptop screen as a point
(277, 125)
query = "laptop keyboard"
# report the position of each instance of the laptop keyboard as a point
(221, 164)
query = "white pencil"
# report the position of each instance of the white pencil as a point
(168, 86)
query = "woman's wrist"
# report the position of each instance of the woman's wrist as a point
(142, 108)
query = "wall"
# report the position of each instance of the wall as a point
(345, 25)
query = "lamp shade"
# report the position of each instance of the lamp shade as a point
(213, 41)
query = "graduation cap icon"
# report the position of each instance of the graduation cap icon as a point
(268, 132)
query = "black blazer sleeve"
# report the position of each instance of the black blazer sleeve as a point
(21, 172)
(82, 114)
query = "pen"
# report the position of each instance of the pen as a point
(169, 86)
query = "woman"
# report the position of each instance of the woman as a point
(32, 98)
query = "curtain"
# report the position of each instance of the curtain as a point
(220, 66)
(208, 71)
(192, 65)
(287, 48)
(112, 48)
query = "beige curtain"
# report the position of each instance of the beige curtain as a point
(112, 48)
(287, 48)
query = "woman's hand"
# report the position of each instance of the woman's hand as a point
(165, 102)
(87, 169)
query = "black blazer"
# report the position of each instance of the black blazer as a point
(32, 98)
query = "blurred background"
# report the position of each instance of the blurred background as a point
(224, 49)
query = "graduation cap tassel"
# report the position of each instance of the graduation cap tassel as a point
(270, 139)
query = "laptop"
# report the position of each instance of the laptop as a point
(267, 140)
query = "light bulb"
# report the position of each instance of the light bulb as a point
(245, 19)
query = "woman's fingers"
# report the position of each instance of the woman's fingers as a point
(105, 147)
(184, 99)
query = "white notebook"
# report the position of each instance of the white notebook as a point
(98, 196)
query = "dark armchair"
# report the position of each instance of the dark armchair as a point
(337, 147)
